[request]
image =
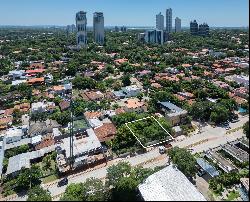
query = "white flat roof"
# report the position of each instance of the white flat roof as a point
(83, 145)
(169, 184)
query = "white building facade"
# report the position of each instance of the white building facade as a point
(98, 26)
(81, 27)
(177, 24)
(159, 21)
(169, 20)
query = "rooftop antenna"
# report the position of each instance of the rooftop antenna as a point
(71, 132)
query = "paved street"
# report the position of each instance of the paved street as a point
(209, 137)
(212, 137)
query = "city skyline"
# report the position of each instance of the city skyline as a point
(216, 13)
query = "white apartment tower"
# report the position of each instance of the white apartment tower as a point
(169, 20)
(177, 24)
(81, 28)
(159, 21)
(98, 26)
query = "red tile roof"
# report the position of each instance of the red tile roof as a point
(105, 132)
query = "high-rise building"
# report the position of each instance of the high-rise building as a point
(116, 29)
(123, 29)
(70, 29)
(203, 29)
(73, 27)
(98, 26)
(194, 30)
(154, 36)
(177, 24)
(81, 28)
(169, 20)
(141, 37)
(159, 21)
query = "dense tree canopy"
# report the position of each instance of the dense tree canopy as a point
(184, 160)
(39, 194)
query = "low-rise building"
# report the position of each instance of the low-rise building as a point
(240, 79)
(44, 106)
(85, 144)
(16, 134)
(244, 189)
(172, 113)
(134, 105)
(169, 184)
(16, 75)
(128, 91)
(16, 163)
(105, 132)
(36, 81)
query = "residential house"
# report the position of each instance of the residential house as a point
(241, 92)
(173, 114)
(15, 134)
(128, 91)
(64, 105)
(42, 128)
(5, 122)
(105, 132)
(44, 106)
(17, 74)
(36, 81)
(134, 105)
(240, 79)
(92, 95)
(120, 61)
(221, 84)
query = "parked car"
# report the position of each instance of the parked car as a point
(201, 172)
(234, 120)
(63, 182)
(162, 150)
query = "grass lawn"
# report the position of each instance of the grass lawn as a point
(148, 130)
(51, 170)
(79, 124)
(49, 178)
(232, 196)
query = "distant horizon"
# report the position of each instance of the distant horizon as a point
(216, 13)
(108, 26)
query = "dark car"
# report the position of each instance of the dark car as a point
(63, 182)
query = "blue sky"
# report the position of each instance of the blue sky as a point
(124, 12)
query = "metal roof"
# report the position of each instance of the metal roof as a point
(169, 184)
(207, 167)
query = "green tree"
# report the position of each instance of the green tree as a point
(126, 80)
(73, 192)
(91, 190)
(184, 160)
(116, 172)
(25, 90)
(126, 189)
(37, 193)
(94, 190)
(29, 177)
(246, 129)
(84, 83)
(47, 162)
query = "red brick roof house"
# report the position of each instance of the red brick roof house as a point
(64, 105)
(105, 132)
(36, 81)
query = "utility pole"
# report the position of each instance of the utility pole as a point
(71, 133)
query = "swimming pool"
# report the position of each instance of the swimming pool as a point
(242, 110)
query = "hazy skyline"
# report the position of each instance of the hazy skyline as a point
(217, 13)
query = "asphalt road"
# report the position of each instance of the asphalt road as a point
(208, 138)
